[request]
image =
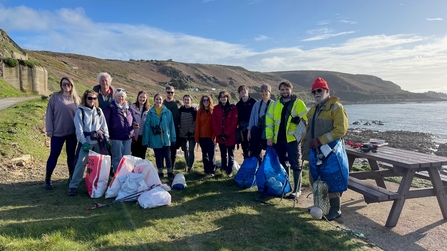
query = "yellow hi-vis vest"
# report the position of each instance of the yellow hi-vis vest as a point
(273, 119)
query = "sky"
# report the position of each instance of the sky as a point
(400, 41)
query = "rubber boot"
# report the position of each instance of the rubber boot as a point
(335, 210)
(297, 177)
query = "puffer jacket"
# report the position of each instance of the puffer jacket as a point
(224, 121)
(330, 122)
(139, 117)
(89, 120)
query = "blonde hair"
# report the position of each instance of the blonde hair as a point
(73, 94)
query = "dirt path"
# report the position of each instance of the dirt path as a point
(7, 102)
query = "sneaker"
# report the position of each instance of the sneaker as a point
(71, 192)
(189, 169)
(48, 184)
(160, 175)
(171, 176)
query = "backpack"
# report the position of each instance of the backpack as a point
(246, 176)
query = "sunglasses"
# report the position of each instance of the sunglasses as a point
(317, 91)
(170, 92)
(92, 98)
(120, 90)
(205, 100)
(66, 84)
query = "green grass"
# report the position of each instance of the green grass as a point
(7, 90)
(210, 214)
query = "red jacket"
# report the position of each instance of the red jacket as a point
(225, 122)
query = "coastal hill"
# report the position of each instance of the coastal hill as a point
(153, 75)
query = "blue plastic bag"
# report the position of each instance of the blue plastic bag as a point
(271, 177)
(335, 167)
(246, 176)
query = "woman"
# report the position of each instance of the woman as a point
(91, 133)
(139, 111)
(187, 123)
(119, 120)
(60, 128)
(204, 134)
(256, 126)
(224, 126)
(159, 134)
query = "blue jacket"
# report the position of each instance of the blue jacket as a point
(166, 123)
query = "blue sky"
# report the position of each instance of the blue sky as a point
(400, 41)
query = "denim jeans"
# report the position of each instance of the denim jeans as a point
(208, 147)
(81, 163)
(188, 149)
(163, 154)
(118, 150)
(227, 157)
(56, 147)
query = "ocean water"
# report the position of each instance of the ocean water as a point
(415, 117)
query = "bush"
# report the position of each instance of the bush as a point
(11, 62)
(29, 63)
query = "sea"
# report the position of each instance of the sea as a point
(414, 117)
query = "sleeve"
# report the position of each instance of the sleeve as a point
(146, 131)
(340, 125)
(253, 115)
(269, 122)
(49, 116)
(197, 129)
(103, 123)
(129, 118)
(79, 126)
(215, 122)
(234, 122)
(172, 129)
(301, 109)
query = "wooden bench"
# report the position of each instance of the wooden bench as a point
(425, 175)
(371, 193)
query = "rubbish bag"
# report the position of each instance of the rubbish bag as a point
(271, 177)
(246, 176)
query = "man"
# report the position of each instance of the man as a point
(244, 107)
(104, 89)
(282, 120)
(328, 122)
(173, 105)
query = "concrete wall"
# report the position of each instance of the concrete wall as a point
(29, 80)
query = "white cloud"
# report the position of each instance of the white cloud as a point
(434, 19)
(414, 62)
(323, 22)
(261, 38)
(346, 21)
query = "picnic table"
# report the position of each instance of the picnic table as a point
(391, 162)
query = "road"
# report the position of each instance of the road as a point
(7, 102)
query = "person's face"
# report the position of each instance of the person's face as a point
(223, 99)
(90, 100)
(158, 101)
(320, 94)
(187, 101)
(265, 94)
(66, 85)
(142, 98)
(170, 94)
(104, 83)
(285, 91)
(243, 93)
(120, 99)
(206, 101)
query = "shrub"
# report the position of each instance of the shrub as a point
(11, 62)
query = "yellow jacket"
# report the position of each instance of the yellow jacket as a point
(331, 123)
(273, 119)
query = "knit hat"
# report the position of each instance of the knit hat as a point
(320, 83)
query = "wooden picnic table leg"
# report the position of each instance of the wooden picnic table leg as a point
(398, 204)
(351, 159)
(438, 187)
(375, 167)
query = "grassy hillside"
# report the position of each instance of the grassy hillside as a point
(7, 90)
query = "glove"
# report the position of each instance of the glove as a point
(314, 143)
(86, 147)
(173, 144)
(108, 144)
(189, 134)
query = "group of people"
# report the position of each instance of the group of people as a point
(103, 121)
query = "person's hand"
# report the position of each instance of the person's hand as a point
(86, 147)
(224, 136)
(134, 140)
(314, 143)
(108, 144)
(248, 135)
(136, 126)
(270, 142)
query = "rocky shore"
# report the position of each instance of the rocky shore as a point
(412, 141)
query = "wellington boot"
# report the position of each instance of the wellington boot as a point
(335, 210)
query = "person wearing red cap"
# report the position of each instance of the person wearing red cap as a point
(327, 124)
(283, 117)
